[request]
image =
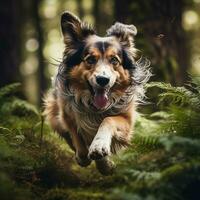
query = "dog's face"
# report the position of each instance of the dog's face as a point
(98, 69)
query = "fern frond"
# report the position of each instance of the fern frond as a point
(195, 82)
(160, 115)
(141, 175)
(146, 143)
(23, 108)
(178, 142)
(9, 89)
(179, 96)
(19, 108)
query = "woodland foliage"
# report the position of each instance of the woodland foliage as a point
(162, 161)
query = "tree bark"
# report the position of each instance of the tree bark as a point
(103, 14)
(41, 59)
(10, 20)
(80, 8)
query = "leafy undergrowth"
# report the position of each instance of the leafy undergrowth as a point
(161, 163)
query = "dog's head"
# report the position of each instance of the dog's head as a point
(97, 69)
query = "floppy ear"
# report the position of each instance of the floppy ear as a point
(74, 32)
(124, 33)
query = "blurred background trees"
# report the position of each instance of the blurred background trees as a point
(31, 42)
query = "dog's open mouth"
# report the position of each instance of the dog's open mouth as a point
(100, 97)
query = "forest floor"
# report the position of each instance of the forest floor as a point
(162, 162)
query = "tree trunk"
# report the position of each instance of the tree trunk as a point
(10, 21)
(41, 59)
(80, 8)
(103, 14)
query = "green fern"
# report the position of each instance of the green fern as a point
(23, 108)
(13, 109)
(179, 96)
(9, 90)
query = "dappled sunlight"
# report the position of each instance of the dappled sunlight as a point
(191, 20)
(49, 9)
(54, 51)
(32, 45)
(30, 65)
(195, 64)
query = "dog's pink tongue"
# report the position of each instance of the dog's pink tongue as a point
(100, 99)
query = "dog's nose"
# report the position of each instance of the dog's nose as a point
(102, 80)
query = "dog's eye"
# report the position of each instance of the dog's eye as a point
(91, 60)
(114, 61)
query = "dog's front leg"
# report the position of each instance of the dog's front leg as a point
(117, 127)
(101, 144)
(80, 149)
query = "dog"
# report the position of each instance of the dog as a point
(96, 90)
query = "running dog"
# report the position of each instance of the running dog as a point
(96, 90)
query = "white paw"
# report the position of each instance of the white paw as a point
(99, 149)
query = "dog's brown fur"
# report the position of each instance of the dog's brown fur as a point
(94, 132)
